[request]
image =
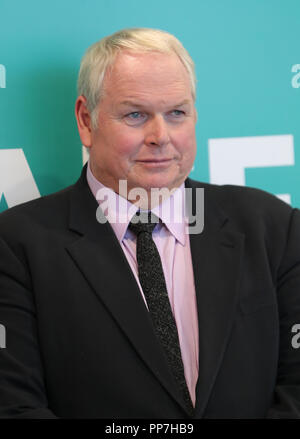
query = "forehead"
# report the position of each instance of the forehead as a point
(150, 73)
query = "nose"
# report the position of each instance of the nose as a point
(157, 132)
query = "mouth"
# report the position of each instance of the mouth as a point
(154, 160)
(152, 163)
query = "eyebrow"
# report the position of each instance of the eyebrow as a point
(133, 103)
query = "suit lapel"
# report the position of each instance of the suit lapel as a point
(99, 257)
(216, 255)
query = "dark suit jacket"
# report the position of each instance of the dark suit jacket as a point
(80, 342)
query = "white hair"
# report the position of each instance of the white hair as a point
(101, 55)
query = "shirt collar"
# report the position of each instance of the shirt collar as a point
(121, 211)
(171, 212)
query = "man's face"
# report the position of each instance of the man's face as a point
(146, 123)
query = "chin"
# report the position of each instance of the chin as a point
(156, 185)
(159, 181)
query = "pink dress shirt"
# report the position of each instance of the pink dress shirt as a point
(173, 245)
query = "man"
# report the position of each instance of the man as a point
(83, 338)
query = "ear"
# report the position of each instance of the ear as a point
(196, 115)
(84, 122)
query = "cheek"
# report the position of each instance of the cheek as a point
(186, 142)
(126, 141)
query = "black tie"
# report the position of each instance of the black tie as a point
(154, 287)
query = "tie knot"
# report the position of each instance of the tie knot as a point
(143, 222)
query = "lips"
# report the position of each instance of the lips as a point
(155, 164)
(154, 160)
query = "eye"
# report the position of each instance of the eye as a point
(135, 117)
(176, 116)
(177, 113)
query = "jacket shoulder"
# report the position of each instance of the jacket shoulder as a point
(248, 208)
(49, 210)
(242, 198)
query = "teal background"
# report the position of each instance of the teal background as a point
(243, 50)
